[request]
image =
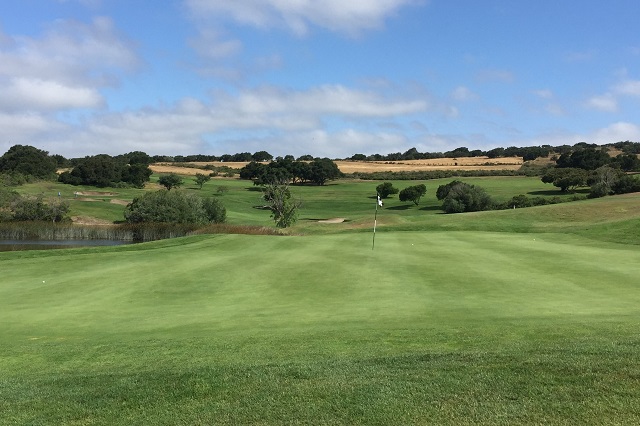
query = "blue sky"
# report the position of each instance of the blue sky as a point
(322, 77)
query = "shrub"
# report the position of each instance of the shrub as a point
(385, 189)
(459, 197)
(174, 207)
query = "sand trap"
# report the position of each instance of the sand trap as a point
(104, 194)
(120, 202)
(334, 220)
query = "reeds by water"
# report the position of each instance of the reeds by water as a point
(48, 231)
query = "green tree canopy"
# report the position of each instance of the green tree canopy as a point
(174, 207)
(201, 179)
(459, 197)
(28, 161)
(323, 170)
(413, 193)
(385, 189)
(170, 181)
(566, 178)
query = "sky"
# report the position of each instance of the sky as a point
(329, 78)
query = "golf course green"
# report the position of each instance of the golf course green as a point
(525, 316)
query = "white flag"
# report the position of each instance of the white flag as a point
(379, 201)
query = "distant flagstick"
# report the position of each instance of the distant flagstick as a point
(375, 222)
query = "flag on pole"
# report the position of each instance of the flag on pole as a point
(379, 201)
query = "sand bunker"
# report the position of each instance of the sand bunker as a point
(104, 194)
(334, 220)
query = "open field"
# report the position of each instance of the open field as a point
(462, 163)
(349, 199)
(525, 316)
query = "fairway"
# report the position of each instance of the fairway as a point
(428, 328)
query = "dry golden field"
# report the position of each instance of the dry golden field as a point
(463, 163)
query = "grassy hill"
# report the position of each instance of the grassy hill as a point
(525, 316)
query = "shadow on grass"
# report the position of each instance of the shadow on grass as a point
(400, 208)
(431, 208)
(557, 192)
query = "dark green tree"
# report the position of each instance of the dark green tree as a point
(459, 197)
(413, 193)
(170, 181)
(565, 178)
(385, 189)
(201, 179)
(29, 161)
(586, 158)
(323, 170)
(98, 170)
(262, 156)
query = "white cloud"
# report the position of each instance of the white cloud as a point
(349, 17)
(616, 132)
(606, 103)
(543, 93)
(463, 94)
(628, 87)
(64, 68)
(338, 112)
(210, 45)
(39, 95)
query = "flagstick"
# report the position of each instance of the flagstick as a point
(375, 221)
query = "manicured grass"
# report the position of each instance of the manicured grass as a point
(525, 316)
(430, 327)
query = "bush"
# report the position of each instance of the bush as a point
(459, 197)
(174, 207)
(385, 189)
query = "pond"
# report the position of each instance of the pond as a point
(15, 245)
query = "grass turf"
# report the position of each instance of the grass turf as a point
(444, 327)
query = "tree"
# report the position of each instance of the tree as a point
(385, 189)
(284, 208)
(170, 181)
(201, 179)
(628, 162)
(98, 170)
(584, 158)
(323, 170)
(104, 170)
(28, 161)
(262, 156)
(459, 197)
(137, 174)
(413, 193)
(565, 178)
(174, 207)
